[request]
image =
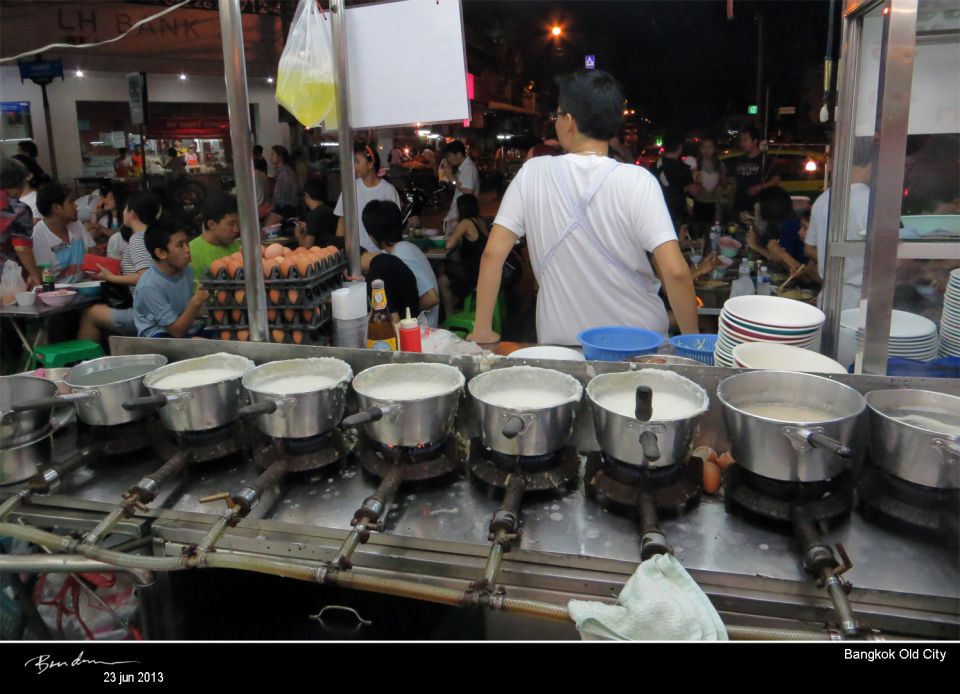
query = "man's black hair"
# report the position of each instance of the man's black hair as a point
(258, 150)
(217, 206)
(315, 188)
(455, 147)
(752, 132)
(383, 222)
(671, 141)
(13, 174)
(36, 174)
(595, 100)
(50, 194)
(468, 207)
(173, 153)
(158, 235)
(145, 205)
(29, 148)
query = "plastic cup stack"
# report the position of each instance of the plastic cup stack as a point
(350, 315)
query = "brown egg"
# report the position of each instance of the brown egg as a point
(711, 478)
(236, 315)
(267, 267)
(286, 251)
(289, 315)
(706, 453)
(303, 265)
(271, 314)
(307, 315)
(225, 334)
(725, 461)
(243, 335)
(278, 336)
(223, 297)
(240, 296)
(274, 250)
(233, 268)
(274, 295)
(218, 316)
(297, 336)
(286, 265)
(217, 267)
(293, 295)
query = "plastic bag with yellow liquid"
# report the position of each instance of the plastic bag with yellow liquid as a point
(305, 76)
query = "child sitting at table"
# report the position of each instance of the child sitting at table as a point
(164, 304)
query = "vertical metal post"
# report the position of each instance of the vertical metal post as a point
(897, 53)
(235, 74)
(348, 191)
(47, 122)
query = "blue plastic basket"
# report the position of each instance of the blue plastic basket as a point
(616, 343)
(699, 347)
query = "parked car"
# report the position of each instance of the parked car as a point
(648, 157)
(800, 168)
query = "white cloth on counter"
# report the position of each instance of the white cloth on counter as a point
(660, 602)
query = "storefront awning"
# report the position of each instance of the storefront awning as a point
(510, 108)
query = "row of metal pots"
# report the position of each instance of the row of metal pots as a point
(522, 411)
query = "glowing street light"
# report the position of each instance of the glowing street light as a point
(556, 31)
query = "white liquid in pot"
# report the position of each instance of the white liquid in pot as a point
(192, 379)
(665, 405)
(787, 413)
(940, 422)
(525, 399)
(407, 390)
(298, 384)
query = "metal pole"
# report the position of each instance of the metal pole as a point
(897, 53)
(238, 108)
(759, 60)
(348, 191)
(46, 120)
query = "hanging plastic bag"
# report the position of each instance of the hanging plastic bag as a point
(11, 282)
(305, 76)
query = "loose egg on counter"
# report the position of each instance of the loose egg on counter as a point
(711, 477)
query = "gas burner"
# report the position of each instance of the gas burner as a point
(121, 439)
(619, 486)
(774, 500)
(211, 444)
(552, 472)
(416, 463)
(303, 455)
(925, 511)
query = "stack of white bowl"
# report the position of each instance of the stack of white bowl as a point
(763, 355)
(950, 320)
(773, 319)
(911, 336)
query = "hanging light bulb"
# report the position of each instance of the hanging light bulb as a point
(183, 76)
(78, 73)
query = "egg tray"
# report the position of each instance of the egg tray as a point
(316, 337)
(329, 268)
(308, 298)
(321, 316)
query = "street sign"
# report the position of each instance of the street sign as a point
(137, 90)
(752, 110)
(40, 71)
(590, 62)
(787, 110)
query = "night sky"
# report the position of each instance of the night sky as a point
(680, 61)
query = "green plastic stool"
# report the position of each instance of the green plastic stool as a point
(65, 353)
(463, 321)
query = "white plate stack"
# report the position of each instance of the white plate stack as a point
(950, 320)
(771, 319)
(911, 336)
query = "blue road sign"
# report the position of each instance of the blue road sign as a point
(590, 62)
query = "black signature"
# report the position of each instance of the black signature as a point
(43, 663)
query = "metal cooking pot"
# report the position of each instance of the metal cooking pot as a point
(297, 415)
(22, 462)
(918, 451)
(393, 413)
(16, 427)
(665, 359)
(793, 451)
(101, 405)
(517, 430)
(196, 408)
(642, 440)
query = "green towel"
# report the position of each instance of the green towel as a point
(660, 602)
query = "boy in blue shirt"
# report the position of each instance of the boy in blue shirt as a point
(164, 304)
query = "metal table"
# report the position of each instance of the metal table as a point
(41, 313)
(570, 547)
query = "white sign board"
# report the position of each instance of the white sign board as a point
(421, 77)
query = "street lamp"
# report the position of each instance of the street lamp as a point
(556, 31)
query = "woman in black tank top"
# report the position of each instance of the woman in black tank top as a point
(468, 239)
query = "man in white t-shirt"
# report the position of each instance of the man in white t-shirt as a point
(369, 185)
(59, 240)
(467, 179)
(859, 207)
(589, 223)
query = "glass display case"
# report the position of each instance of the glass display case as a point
(894, 203)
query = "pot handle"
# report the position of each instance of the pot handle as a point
(650, 446)
(644, 406)
(818, 440)
(265, 407)
(373, 414)
(513, 427)
(148, 402)
(41, 403)
(948, 448)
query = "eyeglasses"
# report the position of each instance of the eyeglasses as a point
(554, 115)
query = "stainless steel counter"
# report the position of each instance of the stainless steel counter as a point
(570, 545)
